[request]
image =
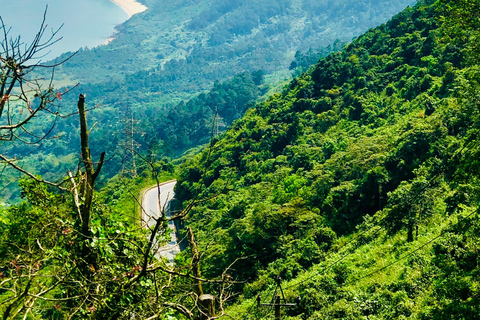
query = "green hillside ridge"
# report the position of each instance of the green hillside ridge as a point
(181, 47)
(177, 49)
(377, 145)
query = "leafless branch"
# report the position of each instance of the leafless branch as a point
(14, 165)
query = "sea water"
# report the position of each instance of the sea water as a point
(86, 23)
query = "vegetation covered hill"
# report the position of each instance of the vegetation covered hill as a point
(177, 49)
(357, 185)
(363, 171)
(180, 47)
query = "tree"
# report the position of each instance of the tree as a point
(26, 101)
(68, 255)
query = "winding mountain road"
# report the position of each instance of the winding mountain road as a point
(152, 210)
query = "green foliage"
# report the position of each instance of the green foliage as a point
(46, 273)
(358, 185)
(361, 160)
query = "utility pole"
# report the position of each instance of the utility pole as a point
(277, 301)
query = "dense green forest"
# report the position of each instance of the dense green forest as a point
(367, 159)
(357, 185)
(175, 50)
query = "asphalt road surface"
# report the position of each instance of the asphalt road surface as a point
(152, 209)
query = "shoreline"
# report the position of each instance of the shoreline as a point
(131, 7)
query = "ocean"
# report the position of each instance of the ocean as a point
(86, 23)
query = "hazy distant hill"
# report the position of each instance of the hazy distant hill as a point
(182, 46)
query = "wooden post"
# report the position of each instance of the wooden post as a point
(277, 307)
(207, 306)
(195, 260)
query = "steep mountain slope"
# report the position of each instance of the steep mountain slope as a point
(381, 138)
(358, 185)
(179, 48)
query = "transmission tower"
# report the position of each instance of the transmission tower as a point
(128, 144)
(219, 126)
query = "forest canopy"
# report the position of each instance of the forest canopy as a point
(375, 145)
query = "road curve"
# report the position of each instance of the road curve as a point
(152, 210)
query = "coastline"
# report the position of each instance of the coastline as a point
(131, 7)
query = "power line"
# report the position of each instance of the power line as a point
(442, 233)
(358, 237)
(429, 183)
(336, 261)
(346, 255)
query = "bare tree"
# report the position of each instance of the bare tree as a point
(26, 100)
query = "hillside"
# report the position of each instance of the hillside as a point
(355, 189)
(180, 47)
(177, 49)
(358, 183)
(172, 52)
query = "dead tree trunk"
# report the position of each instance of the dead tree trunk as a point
(195, 260)
(207, 306)
(91, 174)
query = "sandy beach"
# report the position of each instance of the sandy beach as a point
(131, 7)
